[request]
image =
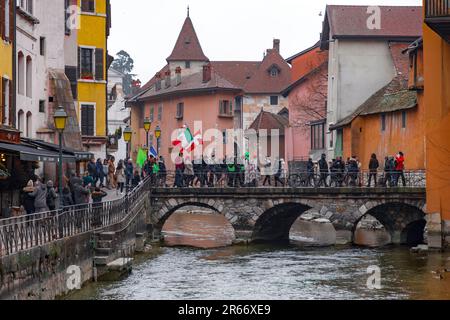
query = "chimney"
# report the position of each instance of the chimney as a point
(276, 45)
(178, 76)
(168, 74)
(158, 81)
(207, 73)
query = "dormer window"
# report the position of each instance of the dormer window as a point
(274, 71)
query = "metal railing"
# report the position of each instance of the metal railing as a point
(437, 8)
(26, 232)
(298, 179)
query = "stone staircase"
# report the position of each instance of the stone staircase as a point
(104, 252)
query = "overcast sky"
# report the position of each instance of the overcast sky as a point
(227, 29)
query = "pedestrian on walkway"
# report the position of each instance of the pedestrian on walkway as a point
(162, 172)
(129, 171)
(40, 197)
(400, 169)
(136, 179)
(67, 199)
(27, 199)
(373, 169)
(267, 172)
(310, 174)
(100, 174)
(112, 183)
(51, 196)
(120, 177)
(92, 170)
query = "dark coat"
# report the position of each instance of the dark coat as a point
(80, 194)
(373, 165)
(28, 202)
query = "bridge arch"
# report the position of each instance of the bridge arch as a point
(275, 223)
(404, 220)
(171, 206)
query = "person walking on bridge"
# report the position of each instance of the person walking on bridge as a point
(324, 170)
(373, 170)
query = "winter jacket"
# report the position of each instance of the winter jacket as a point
(51, 198)
(28, 202)
(99, 169)
(323, 165)
(400, 163)
(120, 176)
(40, 198)
(129, 170)
(373, 165)
(80, 194)
(67, 200)
(92, 168)
(97, 196)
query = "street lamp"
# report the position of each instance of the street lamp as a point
(60, 119)
(147, 128)
(127, 134)
(157, 136)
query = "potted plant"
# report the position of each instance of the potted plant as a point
(87, 76)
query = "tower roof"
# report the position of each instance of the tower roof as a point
(187, 47)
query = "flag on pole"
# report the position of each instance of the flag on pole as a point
(141, 158)
(153, 152)
(187, 141)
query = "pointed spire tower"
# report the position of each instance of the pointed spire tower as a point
(187, 47)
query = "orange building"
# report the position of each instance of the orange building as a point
(390, 121)
(436, 55)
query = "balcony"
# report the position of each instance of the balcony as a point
(437, 17)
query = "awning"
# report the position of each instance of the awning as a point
(79, 155)
(29, 153)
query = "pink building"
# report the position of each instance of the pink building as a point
(305, 136)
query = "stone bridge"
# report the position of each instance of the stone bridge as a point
(269, 213)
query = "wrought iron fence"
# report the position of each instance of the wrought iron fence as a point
(295, 179)
(26, 232)
(437, 8)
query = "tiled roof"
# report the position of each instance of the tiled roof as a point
(191, 83)
(187, 47)
(263, 82)
(351, 21)
(270, 121)
(238, 72)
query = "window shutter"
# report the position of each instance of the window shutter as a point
(3, 100)
(71, 73)
(7, 22)
(99, 59)
(87, 120)
(220, 107)
(2, 23)
(12, 111)
(79, 63)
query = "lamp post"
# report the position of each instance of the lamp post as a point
(127, 134)
(147, 128)
(157, 136)
(60, 119)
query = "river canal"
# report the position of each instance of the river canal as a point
(271, 272)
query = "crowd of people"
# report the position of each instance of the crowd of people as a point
(338, 173)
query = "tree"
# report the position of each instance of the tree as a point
(124, 64)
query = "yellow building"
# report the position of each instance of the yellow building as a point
(436, 53)
(92, 74)
(7, 98)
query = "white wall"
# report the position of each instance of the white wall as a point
(357, 70)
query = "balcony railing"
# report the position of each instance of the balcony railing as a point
(437, 8)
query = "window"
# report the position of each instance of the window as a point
(86, 63)
(5, 24)
(274, 71)
(383, 122)
(29, 126)
(71, 73)
(42, 106)
(29, 77)
(225, 137)
(88, 6)
(318, 136)
(67, 15)
(180, 111)
(26, 5)
(404, 119)
(187, 64)
(42, 46)
(160, 111)
(225, 108)
(4, 102)
(21, 73)
(87, 120)
(152, 113)
(21, 121)
(274, 100)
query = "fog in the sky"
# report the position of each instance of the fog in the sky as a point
(227, 29)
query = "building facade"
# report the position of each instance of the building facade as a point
(360, 61)
(92, 66)
(305, 136)
(221, 94)
(436, 55)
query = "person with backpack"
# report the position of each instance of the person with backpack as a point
(373, 169)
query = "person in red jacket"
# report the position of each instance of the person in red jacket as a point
(400, 169)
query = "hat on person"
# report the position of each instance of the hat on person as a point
(29, 187)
